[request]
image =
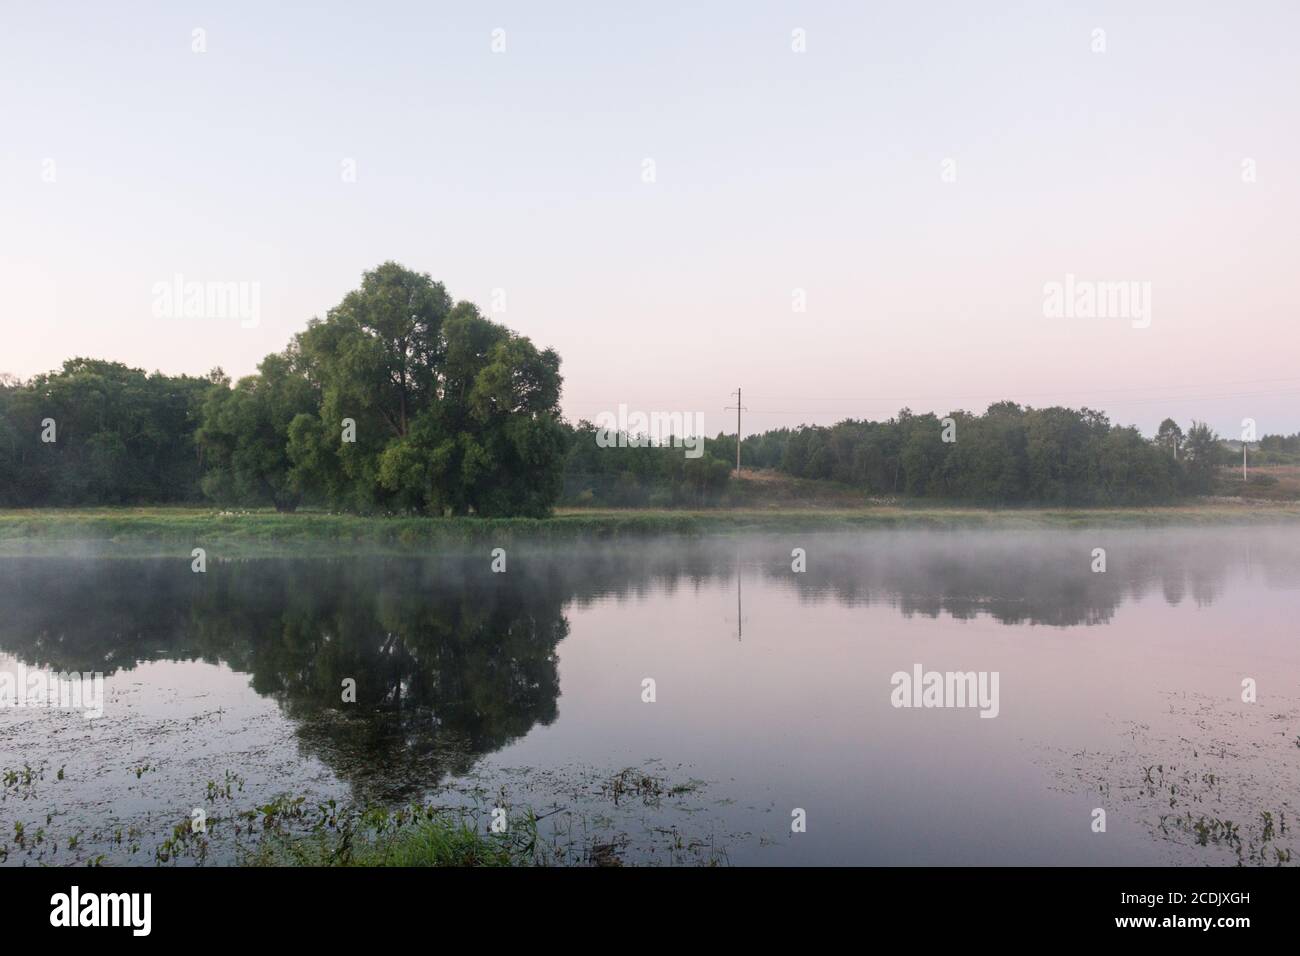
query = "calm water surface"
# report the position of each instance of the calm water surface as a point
(1118, 690)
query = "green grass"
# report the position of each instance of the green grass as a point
(267, 530)
(429, 838)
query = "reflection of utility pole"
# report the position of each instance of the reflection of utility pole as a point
(739, 408)
(740, 626)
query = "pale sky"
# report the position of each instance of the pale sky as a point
(1172, 157)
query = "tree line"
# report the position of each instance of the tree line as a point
(402, 400)
(1008, 454)
(399, 400)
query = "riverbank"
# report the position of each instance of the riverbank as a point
(267, 530)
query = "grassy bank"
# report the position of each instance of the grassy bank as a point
(268, 530)
(293, 833)
(419, 836)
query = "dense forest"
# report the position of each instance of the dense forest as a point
(403, 401)
(1009, 453)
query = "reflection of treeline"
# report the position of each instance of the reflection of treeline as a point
(452, 661)
(1012, 577)
(447, 665)
(1009, 454)
(439, 630)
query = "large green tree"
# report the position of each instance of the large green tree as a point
(426, 406)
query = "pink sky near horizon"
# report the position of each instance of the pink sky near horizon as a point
(776, 171)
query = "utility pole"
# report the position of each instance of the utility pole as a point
(739, 408)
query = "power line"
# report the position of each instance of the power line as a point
(1211, 386)
(980, 395)
(1165, 399)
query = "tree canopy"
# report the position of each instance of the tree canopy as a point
(1008, 455)
(425, 406)
(399, 400)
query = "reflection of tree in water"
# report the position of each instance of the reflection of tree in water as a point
(448, 665)
(1035, 578)
(87, 615)
(965, 580)
(453, 662)
(1013, 577)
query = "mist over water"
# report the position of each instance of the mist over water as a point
(772, 688)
